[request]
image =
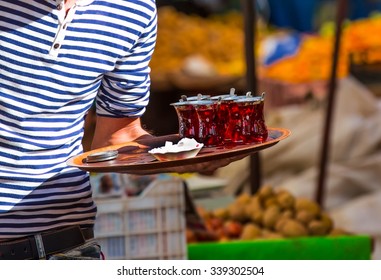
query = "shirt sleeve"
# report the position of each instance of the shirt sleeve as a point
(125, 91)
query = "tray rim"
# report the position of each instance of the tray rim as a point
(165, 166)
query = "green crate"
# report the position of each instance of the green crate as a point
(354, 247)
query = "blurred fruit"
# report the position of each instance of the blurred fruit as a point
(327, 221)
(257, 217)
(265, 192)
(203, 235)
(280, 223)
(270, 201)
(232, 229)
(317, 228)
(288, 213)
(190, 236)
(285, 200)
(243, 198)
(304, 216)
(253, 206)
(214, 223)
(293, 228)
(219, 41)
(268, 234)
(270, 216)
(181, 36)
(308, 205)
(247, 218)
(203, 213)
(221, 213)
(237, 212)
(250, 231)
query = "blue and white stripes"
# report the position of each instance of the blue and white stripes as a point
(52, 68)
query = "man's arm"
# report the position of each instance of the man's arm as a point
(124, 92)
(112, 131)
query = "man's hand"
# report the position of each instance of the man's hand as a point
(202, 167)
(115, 131)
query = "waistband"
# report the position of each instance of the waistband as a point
(40, 245)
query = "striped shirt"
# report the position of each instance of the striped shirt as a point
(52, 69)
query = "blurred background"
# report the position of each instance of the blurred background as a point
(200, 49)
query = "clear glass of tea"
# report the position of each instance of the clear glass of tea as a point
(207, 133)
(253, 126)
(188, 119)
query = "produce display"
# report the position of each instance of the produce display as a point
(364, 49)
(269, 213)
(217, 40)
(214, 46)
(311, 62)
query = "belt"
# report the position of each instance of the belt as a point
(40, 245)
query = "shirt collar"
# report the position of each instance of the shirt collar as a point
(84, 2)
(79, 2)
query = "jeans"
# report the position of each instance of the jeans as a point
(88, 251)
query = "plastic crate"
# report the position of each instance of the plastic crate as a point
(148, 226)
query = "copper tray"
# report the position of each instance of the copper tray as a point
(133, 157)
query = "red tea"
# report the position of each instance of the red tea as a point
(207, 133)
(234, 128)
(223, 120)
(259, 132)
(247, 116)
(246, 121)
(254, 129)
(223, 109)
(188, 119)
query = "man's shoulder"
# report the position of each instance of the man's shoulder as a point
(134, 2)
(147, 6)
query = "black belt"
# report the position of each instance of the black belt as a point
(44, 244)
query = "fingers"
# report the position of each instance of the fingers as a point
(208, 166)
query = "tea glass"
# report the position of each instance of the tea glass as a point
(207, 131)
(188, 119)
(253, 127)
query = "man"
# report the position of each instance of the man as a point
(56, 58)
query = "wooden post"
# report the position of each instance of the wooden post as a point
(341, 11)
(249, 14)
